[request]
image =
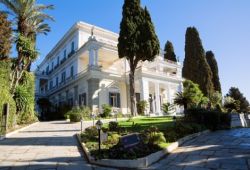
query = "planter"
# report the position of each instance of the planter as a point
(140, 162)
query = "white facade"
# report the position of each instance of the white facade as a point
(84, 69)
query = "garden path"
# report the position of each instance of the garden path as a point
(228, 150)
(45, 145)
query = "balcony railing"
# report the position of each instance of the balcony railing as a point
(157, 71)
(67, 81)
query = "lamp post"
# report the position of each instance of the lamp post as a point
(81, 124)
(99, 126)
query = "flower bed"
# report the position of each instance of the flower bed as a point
(139, 162)
(152, 138)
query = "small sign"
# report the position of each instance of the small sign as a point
(104, 137)
(130, 140)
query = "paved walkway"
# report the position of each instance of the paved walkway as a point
(228, 150)
(46, 145)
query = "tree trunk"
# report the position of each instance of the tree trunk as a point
(132, 91)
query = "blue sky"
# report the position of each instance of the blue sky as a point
(224, 27)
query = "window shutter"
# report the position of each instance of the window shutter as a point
(118, 100)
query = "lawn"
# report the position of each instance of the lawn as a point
(139, 124)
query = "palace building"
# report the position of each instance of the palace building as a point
(84, 69)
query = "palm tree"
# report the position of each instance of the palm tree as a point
(30, 19)
(27, 12)
(182, 100)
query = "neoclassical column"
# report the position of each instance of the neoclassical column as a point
(157, 98)
(144, 90)
(91, 56)
(169, 94)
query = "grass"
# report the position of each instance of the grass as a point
(139, 124)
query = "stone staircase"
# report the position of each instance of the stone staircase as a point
(240, 120)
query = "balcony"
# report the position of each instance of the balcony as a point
(67, 81)
(157, 71)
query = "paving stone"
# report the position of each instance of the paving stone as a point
(207, 153)
(46, 145)
(217, 150)
(195, 168)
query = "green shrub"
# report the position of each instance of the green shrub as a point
(167, 108)
(157, 138)
(225, 119)
(78, 113)
(182, 129)
(209, 118)
(75, 117)
(85, 111)
(141, 107)
(171, 136)
(113, 126)
(113, 139)
(5, 95)
(106, 110)
(91, 131)
(120, 115)
(25, 99)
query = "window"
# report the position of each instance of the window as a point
(82, 99)
(47, 70)
(72, 46)
(63, 76)
(56, 81)
(65, 53)
(72, 71)
(52, 65)
(58, 58)
(137, 97)
(51, 84)
(70, 102)
(114, 99)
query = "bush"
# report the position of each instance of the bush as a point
(85, 111)
(113, 139)
(167, 108)
(120, 115)
(153, 136)
(156, 138)
(5, 95)
(106, 110)
(75, 117)
(91, 131)
(171, 136)
(209, 118)
(141, 107)
(113, 126)
(182, 129)
(78, 113)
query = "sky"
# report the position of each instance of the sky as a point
(224, 27)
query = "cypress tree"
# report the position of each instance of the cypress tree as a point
(169, 52)
(5, 36)
(195, 66)
(137, 40)
(238, 96)
(214, 68)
